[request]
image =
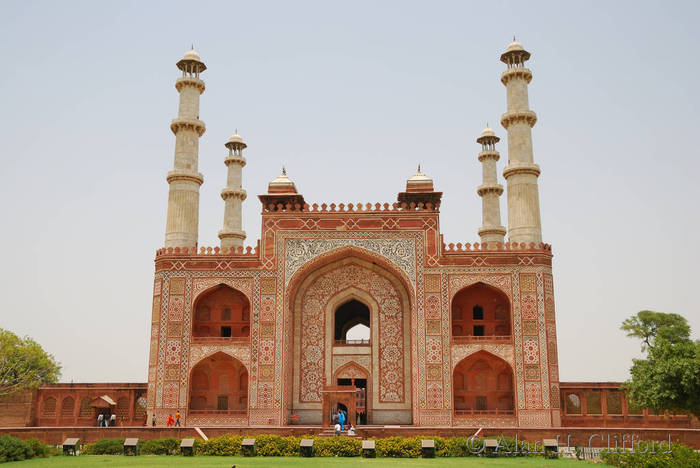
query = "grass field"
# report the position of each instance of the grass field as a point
(245, 462)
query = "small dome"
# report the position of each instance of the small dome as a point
(487, 132)
(514, 46)
(235, 138)
(192, 55)
(419, 182)
(281, 184)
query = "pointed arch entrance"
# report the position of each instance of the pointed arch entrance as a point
(218, 386)
(483, 385)
(379, 299)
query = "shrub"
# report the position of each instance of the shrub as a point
(224, 445)
(41, 450)
(399, 447)
(105, 447)
(680, 456)
(14, 449)
(268, 445)
(168, 446)
(337, 446)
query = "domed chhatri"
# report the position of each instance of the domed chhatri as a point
(191, 63)
(488, 136)
(515, 54)
(236, 140)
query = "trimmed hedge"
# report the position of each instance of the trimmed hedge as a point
(268, 445)
(14, 449)
(104, 447)
(680, 456)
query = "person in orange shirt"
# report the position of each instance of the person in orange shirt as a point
(177, 419)
(171, 421)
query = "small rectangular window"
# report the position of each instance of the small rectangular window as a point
(481, 403)
(478, 330)
(226, 332)
(222, 403)
(226, 314)
(478, 313)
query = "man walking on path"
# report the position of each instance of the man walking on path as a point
(177, 419)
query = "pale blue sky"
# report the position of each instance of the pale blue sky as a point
(350, 97)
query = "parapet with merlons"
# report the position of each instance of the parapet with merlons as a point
(496, 253)
(350, 207)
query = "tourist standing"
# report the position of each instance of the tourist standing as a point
(341, 419)
(153, 420)
(177, 419)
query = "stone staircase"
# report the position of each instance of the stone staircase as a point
(330, 432)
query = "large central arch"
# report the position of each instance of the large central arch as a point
(314, 300)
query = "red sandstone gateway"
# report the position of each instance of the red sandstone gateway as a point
(450, 336)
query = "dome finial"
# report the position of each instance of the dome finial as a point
(284, 170)
(418, 167)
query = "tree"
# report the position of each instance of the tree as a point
(649, 325)
(24, 364)
(669, 378)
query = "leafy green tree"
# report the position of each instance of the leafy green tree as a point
(669, 377)
(649, 325)
(24, 364)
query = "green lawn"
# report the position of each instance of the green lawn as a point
(245, 462)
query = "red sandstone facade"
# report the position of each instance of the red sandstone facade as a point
(460, 335)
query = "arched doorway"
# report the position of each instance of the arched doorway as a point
(218, 385)
(351, 323)
(357, 378)
(221, 314)
(480, 312)
(482, 384)
(328, 302)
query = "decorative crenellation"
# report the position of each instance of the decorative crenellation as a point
(351, 207)
(488, 246)
(208, 251)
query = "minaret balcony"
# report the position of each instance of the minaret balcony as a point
(189, 81)
(512, 117)
(187, 124)
(516, 73)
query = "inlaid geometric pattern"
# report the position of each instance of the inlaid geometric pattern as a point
(177, 286)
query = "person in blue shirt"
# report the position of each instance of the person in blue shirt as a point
(341, 419)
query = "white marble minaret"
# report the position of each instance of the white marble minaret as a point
(521, 173)
(232, 235)
(184, 180)
(490, 190)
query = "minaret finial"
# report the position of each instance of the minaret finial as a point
(513, 37)
(284, 170)
(236, 130)
(192, 46)
(419, 167)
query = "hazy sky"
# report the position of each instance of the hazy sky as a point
(350, 97)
